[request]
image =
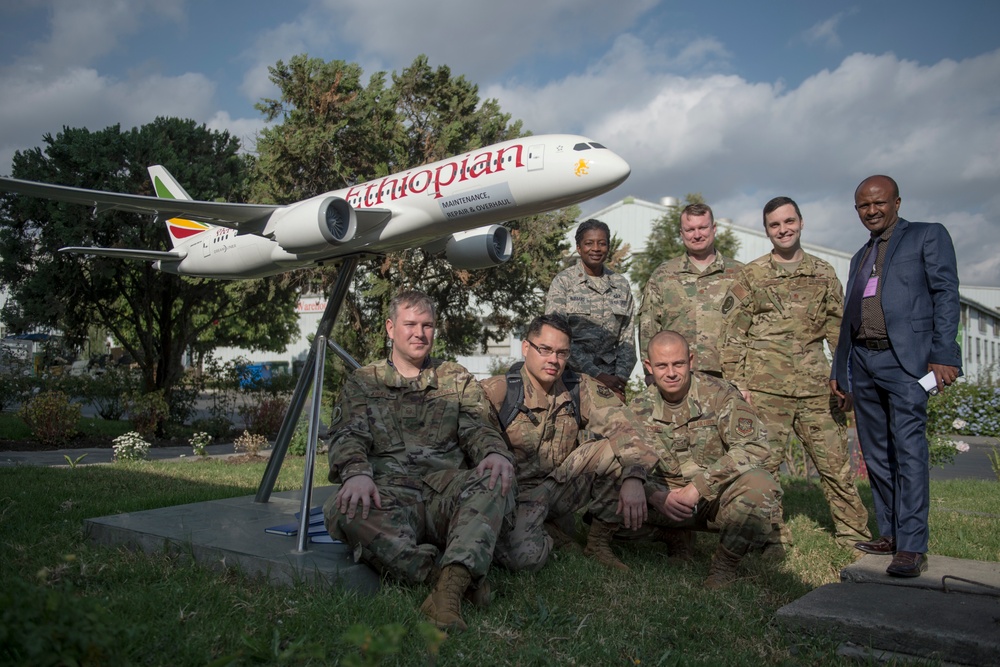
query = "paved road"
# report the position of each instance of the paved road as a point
(973, 464)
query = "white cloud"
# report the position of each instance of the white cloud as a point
(478, 40)
(83, 31)
(81, 97)
(825, 32)
(934, 128)
(244, 129)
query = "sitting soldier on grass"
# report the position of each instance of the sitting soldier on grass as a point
(426, 477)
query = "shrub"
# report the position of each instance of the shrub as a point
(148, 412)
(199, 441)
(15, 388)
(299, 440)
(217, 427)
(264, 416)
(250, 443)
(184, 397)
(942, 449)
(52, 418)
(110, 391)
(130, 447)
(975, 406)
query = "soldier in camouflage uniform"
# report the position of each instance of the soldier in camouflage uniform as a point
(556, 473)
(599, 306)
(685, 293)
(426, 476)
(714, 450)
(778, 311)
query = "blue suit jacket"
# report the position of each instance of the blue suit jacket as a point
(919, 298)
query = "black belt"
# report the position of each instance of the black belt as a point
(874, 343)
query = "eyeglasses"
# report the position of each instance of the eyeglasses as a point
(546, 351)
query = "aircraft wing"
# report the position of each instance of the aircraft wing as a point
(222, 214)
(127, 253)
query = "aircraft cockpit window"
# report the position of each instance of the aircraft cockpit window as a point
(581, 147)
(596, 145)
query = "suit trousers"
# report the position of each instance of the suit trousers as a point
(890, 407)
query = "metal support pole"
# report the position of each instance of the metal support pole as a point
(344, 276)
(319, 347)
(344, 355)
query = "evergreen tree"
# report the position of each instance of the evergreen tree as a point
(156, 317)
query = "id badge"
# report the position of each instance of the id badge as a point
(871, 287)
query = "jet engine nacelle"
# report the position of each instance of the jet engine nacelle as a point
(479, 248)
(314, 225)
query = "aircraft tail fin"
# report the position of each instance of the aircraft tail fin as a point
(167, 187)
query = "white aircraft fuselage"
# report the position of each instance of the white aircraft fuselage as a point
(450, 206)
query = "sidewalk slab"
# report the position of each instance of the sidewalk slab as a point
(230, 533)
(959, 628)
(943, 574)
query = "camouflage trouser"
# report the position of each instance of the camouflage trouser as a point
(453, 518)
(745, 513)
(822, 428)
(589, 477)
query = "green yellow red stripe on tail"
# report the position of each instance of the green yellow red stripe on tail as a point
(167, 187)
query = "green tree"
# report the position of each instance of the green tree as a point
(665, 242)
(333, 131)
(155, 316)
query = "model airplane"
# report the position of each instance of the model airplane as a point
(451, 206)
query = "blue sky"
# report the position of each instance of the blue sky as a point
(736, 100)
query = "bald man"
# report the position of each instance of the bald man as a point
(714, 450)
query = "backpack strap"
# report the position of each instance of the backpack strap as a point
(572, 382)
(513, 401)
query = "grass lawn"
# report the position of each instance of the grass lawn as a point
(65, 601)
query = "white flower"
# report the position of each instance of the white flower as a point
(959, 424)
(962, 446)
(130, 447)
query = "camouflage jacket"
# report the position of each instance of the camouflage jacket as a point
(713, 438)
(542, 441)
(398, 430)
(775, 324)
(601, 313)
(680, 297)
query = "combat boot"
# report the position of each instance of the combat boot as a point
(443, 607)
(680, 542)
(480, 596)
(722, 572)
(560, 538)
(599, 545)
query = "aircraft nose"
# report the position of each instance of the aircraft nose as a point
(615, 168)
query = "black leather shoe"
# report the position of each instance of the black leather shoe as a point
(907, 564)
(883, 546)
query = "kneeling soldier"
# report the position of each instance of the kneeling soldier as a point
(714, 448)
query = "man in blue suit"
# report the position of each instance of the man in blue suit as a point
(901, 323)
